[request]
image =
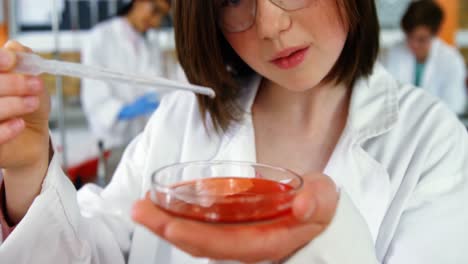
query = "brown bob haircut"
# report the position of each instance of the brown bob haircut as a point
(208, 59)
(423, 13)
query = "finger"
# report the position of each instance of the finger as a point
(7, 60)
(19, 85)
(146, 213)
(297, 238)
(220, 242)
(246, 243)
(10, 129)
(317, 201)
(14, 45)
(199, 239)
(17, 106)
(8, 56)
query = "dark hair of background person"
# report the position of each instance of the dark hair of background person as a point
(423, 13)
(126, 9)
(129, 6)
(209, 60)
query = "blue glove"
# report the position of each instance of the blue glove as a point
(144, 105)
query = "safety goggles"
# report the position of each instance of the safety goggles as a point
(239, 15)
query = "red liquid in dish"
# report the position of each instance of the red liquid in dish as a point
(229, 200)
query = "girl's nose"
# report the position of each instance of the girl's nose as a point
(271, 20)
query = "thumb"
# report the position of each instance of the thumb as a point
(317, 201)
(16, 46)
(7, 54)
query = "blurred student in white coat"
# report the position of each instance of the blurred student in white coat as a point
(425, 60)
(118, 112)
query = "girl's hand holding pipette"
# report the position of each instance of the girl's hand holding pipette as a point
(24, 133)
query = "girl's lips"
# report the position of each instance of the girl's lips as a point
(290, 58)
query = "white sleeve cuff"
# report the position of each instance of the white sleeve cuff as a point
(50, 227)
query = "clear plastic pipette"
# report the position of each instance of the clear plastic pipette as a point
(32, 64)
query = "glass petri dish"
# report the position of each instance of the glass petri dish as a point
(225, 191)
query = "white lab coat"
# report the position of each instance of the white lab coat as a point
(400, 164)
(114, 44)
(444, 75)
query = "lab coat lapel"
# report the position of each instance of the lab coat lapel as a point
(155, 53)
(363, 179)
(429, 71)
(406, 66)
(124, 30)
(142, 55)
(125, 57)
(373, 112)
(150, 57)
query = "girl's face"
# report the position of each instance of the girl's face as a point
(295, 49)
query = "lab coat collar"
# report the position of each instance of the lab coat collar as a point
(373, 107)
(135, 39)
(430, 64)
(435, 47)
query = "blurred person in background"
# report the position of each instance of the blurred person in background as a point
(425, 60)
(117, 112)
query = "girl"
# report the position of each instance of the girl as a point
(297, 86)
